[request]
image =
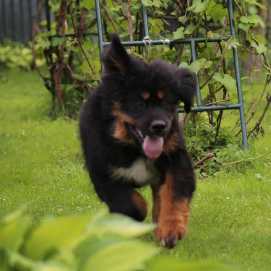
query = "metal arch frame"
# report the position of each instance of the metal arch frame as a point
(192, 41)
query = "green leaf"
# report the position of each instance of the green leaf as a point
(121, 256)
(184, 65)
(244, 27)
(231, 43)
(226, 80)
(179, 33)
(13, 229)
(155, 3)
(55, 233)
(254, 2)
(18, 262)
(118, 224)
(254, 20)
(197, 65)
(260, 48)
(198, 6)
(200, 64)
(258, 42)
(216, 11)
(52, 266)
(4, 260)
(88, 4)
(182, 19)
(189, 29)
(147, 3)
(91, 245)
(58, 41)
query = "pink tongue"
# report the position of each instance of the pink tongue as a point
(153, 147)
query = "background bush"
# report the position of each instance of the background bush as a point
(14, 55)
(75, 59)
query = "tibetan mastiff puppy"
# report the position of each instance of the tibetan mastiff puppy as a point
(131, 137)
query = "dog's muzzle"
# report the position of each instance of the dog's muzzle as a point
(152, 143)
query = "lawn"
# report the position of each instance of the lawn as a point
(41, 167)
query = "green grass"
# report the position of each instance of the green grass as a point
(40, 158)
(41, 166)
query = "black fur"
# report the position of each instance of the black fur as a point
(124, 79)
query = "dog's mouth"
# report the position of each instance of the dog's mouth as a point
(151, 145)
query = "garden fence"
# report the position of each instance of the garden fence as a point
(16, 19)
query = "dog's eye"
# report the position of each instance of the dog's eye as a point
(145, 95)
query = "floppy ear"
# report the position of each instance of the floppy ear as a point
(115, 58)
(186, 87)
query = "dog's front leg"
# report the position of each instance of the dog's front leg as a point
(171, 203)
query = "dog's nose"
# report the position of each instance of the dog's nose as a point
(158, 127)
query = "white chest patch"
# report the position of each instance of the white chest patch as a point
(139, 172)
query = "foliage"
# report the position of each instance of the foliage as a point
(204, 142)
(73, 243)
(104, 242)
(73, 57)
(14, 55)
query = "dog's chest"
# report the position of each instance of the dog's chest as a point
(140, 172)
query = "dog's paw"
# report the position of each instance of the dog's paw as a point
(169, 232)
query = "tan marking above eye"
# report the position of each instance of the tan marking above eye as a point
(160, 94)
(145, 95)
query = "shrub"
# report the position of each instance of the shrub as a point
(101, 243)
(76, 58)
(15, 55)
(72, 55)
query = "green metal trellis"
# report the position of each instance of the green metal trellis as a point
(192, 42)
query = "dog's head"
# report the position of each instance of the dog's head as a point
(144, 97)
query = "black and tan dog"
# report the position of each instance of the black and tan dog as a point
(131, 137)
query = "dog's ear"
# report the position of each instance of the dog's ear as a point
(115, 58)
(186, 81)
